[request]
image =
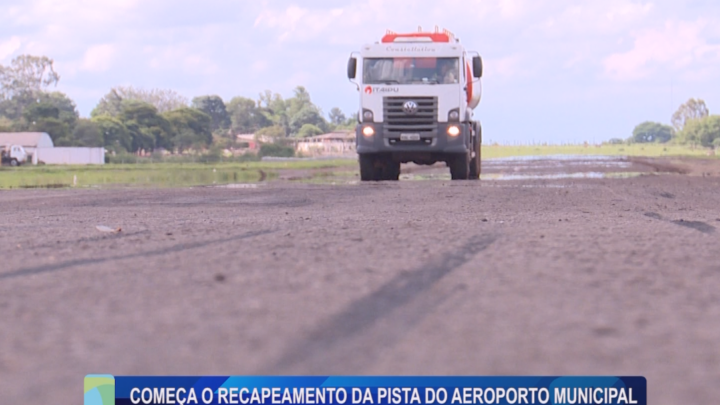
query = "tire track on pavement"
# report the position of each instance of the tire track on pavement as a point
(352, 338)
(50, 268)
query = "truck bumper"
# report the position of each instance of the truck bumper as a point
(438, 143)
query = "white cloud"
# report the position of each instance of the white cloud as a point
(506, 68)
(85, 12)
(182, 57)
(99, 58)
(678, 45)
(298, 23)
(7, 48)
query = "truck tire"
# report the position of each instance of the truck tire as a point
(459, 167)
(378, 168)
(391, 170)
(14, 162)
(368, 172)
(476, 162)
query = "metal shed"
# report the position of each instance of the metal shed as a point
(28, 140)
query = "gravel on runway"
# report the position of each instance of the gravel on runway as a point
(524, 277)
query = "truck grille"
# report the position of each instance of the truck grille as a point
(397, 121)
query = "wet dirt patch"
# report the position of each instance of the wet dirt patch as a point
(696, 225)
(52, 185)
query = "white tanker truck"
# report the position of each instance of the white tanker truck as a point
(417, 95)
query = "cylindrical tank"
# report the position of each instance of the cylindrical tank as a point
(474, 89)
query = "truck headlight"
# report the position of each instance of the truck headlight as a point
(454, 115)
(368, 116)
(368, 131)
(453, 130)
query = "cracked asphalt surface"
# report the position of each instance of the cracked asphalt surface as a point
(524, 277)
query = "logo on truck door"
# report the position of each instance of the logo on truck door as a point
(410, 107)
(376, 89)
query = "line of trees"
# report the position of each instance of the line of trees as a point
(129, 119)
(691, 124)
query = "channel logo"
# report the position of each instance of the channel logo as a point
(99, 389)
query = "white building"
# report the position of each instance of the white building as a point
(39, 146)
(334, 143)
(28, 140)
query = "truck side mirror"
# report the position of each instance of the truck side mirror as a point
(477, 67)
(352, 68)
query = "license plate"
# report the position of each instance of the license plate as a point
(409, 137)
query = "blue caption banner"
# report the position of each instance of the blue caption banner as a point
(348, 390)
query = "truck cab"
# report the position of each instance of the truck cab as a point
(14, 155)
(417, 95)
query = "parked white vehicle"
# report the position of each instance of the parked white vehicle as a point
(14, 155)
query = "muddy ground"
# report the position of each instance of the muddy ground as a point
(547, 273)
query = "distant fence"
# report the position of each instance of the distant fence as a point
(69, 156)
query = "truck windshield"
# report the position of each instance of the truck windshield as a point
(410, 70)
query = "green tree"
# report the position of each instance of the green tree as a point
(58, 130)
(163, 100)
(142, 137)
(45, 117)
(87, 133)
(23, 84)
(192, 126)
(309, 130)
(275, 109)
(16, 107)
(691, 110)
(273, 133)
(6, 125)
(115, 135)
(703, 131)
(245, 116)
(214, 106)
(301, 111)
(39, 111)
(309, 114)
(67, 110)
(148, 129)
(27, 75)
(337, 117)
(110, 105)
(652, 132)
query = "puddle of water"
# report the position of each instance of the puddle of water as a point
(509, 177)
(593, 158)
(560, 176)
(238, 185)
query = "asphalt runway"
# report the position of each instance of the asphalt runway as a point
(537, 274)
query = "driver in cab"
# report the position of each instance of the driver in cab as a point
(447, 73)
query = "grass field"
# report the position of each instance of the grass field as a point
(155, 174)
(649, 150)
(192, 174)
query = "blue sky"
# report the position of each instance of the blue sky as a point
(555, 71)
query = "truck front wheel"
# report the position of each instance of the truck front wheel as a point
(475, 163)
(391, 170)
(14, 162)
(367, 168)
(459, 167)
(378, 168)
